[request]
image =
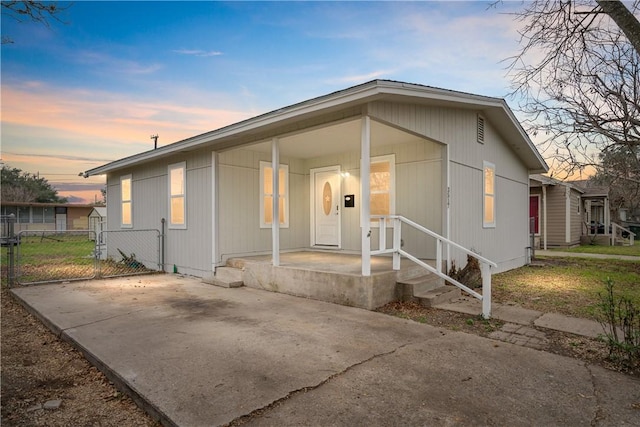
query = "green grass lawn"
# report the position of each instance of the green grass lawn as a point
(608, 250)
(569, 286)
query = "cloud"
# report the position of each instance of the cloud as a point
(59, 157)
(111, 65)
(361, 78)
(197, 52)
(105, 116)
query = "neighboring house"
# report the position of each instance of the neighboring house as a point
(555, 212)
(47, 216)
(602, 223)
(454, 162)
(569, 213)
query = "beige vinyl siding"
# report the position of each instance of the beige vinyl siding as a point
(556, 215)
(189, 249)
(576, 218)
(458, 129)
(239, 205)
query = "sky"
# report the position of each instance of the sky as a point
(95, 85)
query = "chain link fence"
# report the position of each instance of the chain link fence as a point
(127, 252)
(55, 256)
(34, 257)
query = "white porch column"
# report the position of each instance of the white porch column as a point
(567, 215)
(365, 208)
(275, 220)
(607, 216)
(544, 214)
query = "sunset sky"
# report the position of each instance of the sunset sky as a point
(95, 86)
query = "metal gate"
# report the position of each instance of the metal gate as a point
(56, 256)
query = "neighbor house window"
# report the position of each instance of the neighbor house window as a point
(266, 195)
(24, 216)
(382, 180)
(49, 215)
(177, 195)
(126, 219)
(489, 199)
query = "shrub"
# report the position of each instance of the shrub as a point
(620, 319)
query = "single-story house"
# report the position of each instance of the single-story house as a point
(565, 214)
(555, 212)
(348, 163)
(47, 216)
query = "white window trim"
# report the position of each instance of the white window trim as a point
(485, 224)
(183, 166)
(391, 158)
(122, 201)
(264, 165)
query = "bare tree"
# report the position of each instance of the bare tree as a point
(577, 79)
(37, 11)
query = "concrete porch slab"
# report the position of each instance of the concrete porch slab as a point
(327, 276)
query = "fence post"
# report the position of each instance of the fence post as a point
(11, 240)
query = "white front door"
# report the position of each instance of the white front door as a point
(61, 222)
(326, 210)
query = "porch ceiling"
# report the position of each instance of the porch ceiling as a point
(336, 138)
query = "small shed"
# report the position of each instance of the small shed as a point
(97, 220)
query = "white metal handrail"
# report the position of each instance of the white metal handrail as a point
(614, 233)
(397, 251)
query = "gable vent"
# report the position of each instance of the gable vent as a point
(481, 129)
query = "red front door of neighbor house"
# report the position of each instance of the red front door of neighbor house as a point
(534, 212)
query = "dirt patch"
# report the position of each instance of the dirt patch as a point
(38, 367)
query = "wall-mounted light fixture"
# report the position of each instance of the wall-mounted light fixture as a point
(345, 174)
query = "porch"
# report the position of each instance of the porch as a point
(336, 277)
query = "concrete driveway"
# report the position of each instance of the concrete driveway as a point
(198, 355)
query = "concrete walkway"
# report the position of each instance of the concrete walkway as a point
(583, 255)
(521, 323)
(198, 355)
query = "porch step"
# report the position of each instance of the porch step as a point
(441, 295)
(227, 277)
(409, 288)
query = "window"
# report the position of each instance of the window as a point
(49, 215)
(489, 200)
(177, 196)
(382, 179)
(37, 215)
(126, 219)
(24, 214)
(266, 195)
